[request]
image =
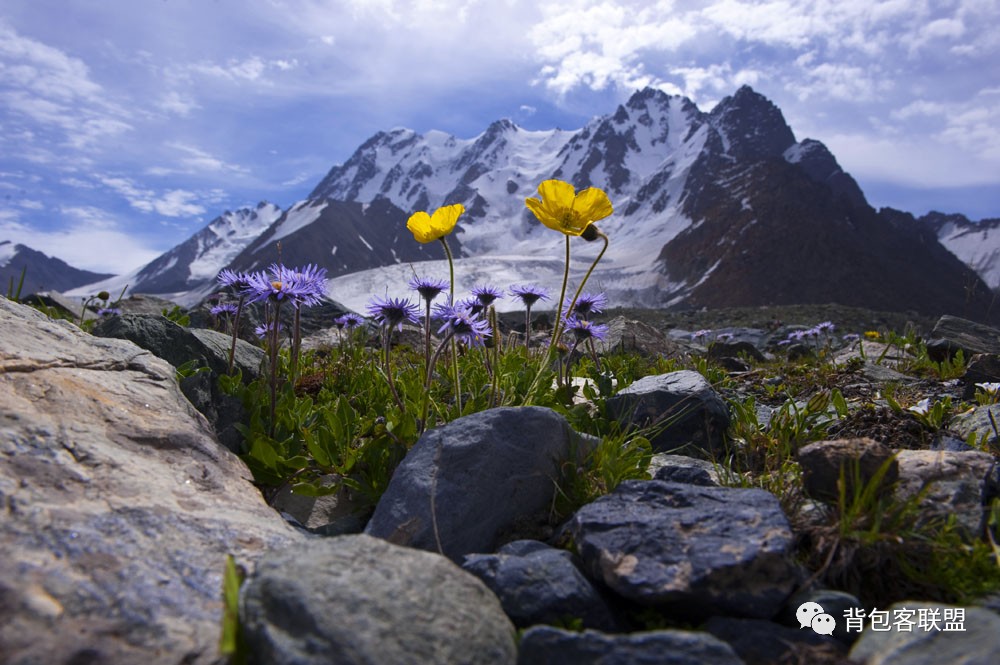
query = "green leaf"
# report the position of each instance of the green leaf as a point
(231, 638)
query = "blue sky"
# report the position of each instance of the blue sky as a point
(127, 125)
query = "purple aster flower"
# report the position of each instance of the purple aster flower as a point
(724, 337)
(583, 329)
(238, 281)
(393, 312)
(349, 321)
(825, 327)
(474, 305)
(310, 282)
(428, 287)
(106, 312)
(587, 304)
(529, 294)
(851, 338)
(699, 334)
(486, 294)
(352, 320)
(271, 286)
(465, 326)
(223, 308)
(265, 329)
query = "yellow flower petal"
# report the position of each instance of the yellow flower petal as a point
(592, 204)
(562, 209)
(428, 228)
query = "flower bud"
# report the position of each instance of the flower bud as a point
(591, 233)
(103, 295)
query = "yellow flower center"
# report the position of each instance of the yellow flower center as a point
(276, 286)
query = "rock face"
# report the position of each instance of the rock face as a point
(464, 484)
(178, 345)
(692, 551)
(554, 646)
(974, 640)
(119, 504)
(540, 584)
(682, 405)
(958, 484)
(360, 600)
(856, 460)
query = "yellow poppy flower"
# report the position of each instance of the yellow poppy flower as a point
(562, 209)
(428, 228)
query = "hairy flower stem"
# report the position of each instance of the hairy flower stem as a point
(272, 352)
(579, 290)
(388, 370)
(236, 333)
(296, 343)
(454, 345)
(427, 338)
(562, 298)
(432, 360)
(527, 326)
(494, 388)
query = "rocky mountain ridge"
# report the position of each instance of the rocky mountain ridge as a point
(724, 208)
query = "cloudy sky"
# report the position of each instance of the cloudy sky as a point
(127, 125)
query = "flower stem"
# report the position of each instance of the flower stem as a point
(236, 332)
(579, 290)
(454, 346)
(388, 371)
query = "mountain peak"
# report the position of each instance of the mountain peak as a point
(752, 125)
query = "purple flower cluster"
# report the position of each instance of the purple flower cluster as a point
(463, 323)
(819, 330)
(299, 286)
(529, 293)
(393, 312)
(587, 304)
(583, 329)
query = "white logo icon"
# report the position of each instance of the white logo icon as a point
(812, 615)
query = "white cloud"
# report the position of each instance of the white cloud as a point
(174, 203)
(92, 240)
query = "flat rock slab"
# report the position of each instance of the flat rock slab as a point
(464, 484)
(360, 600)
(543, 645)
(540, 584)
(955, 483)
(973, 641)
(119, 505)
(690, 550)
(681, 408)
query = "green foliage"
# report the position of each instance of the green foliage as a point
(15, 293)
(231, 644)
(190, 368)
(177, 315)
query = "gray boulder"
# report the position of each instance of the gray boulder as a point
(859, 460)
(759, 642)
(973, 641)
(691, 551)
(957, 481)
(544, 645)
(120, 505)
(952, 333)
(629, 336)
(683, 469)
(179, 345)
(466, 484)
(682, 407)
(540, 584)
(360, 600)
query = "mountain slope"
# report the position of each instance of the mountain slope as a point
(41, 272)
(724, 207)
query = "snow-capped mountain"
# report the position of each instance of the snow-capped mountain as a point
(975, 243)
(717, 209)
(41, 272)
(197, 260)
